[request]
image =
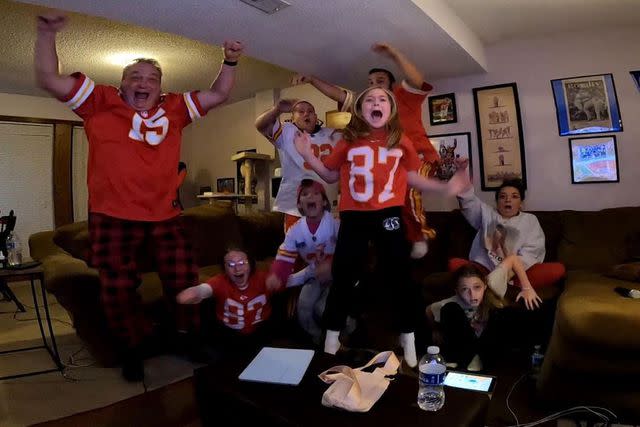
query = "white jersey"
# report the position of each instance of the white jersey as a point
(300, 241)
(293, 165)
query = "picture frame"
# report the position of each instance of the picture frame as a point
(226, 185)
(586, 105)
(451, 146)
(635, 75)
(594, 159)
(442, 109)
(500, 136)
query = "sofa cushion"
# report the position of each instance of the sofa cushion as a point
(591, 314)
(597, 240)
(629, 271)
(74, 238)
(211, 230)
(262, 233)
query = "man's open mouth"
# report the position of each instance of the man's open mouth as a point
(311, 205)
(141, 96)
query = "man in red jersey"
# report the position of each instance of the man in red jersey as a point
(134, 137)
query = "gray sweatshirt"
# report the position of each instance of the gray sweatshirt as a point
(499, 237)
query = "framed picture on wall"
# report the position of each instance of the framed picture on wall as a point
(500, 140)
(451, 146)
(442, 109)
(226, 185)
(594, 159)
(586, 104)
(636, 78)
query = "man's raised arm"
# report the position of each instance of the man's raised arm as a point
(222, 85)
(46, 56)
(332, 91)
(265, 121)
(412, 74)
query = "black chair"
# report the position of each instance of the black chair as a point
(7, 225)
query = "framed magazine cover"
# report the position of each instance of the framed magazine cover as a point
(586, 104)
(451, 146)
(500, 136)
(442, 109)
(594, 159)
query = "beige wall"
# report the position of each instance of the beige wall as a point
(532, 64)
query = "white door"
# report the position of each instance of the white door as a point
(79, 156)
(26, 171)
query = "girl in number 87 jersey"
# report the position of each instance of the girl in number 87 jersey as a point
(374, 164)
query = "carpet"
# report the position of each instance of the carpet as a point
(84, 385)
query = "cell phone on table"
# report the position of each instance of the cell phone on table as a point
(469, 381)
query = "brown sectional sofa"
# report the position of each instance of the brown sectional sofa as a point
(211, 229)
(594, 352)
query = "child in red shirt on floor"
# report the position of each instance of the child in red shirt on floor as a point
(374, 163)
(242, 300)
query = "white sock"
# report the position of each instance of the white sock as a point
(331, 342)
(419, 249)
(408, 343)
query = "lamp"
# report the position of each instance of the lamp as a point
(337, 119)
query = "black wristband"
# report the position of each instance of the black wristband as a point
(230, 63)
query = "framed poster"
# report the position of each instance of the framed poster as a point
(442, 109)
(451, 146)
(500, 140)
(594, 159)
(586, 104)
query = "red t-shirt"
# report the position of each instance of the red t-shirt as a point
(131, 171)
(372, 176)
(410, 102)
(241, 310)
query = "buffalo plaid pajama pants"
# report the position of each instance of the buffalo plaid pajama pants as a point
(117, 246)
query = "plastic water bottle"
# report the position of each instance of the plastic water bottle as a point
(537, 357)
(14, 249)
(431, 380)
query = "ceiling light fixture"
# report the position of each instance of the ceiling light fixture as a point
(267, 6)
(125, 58)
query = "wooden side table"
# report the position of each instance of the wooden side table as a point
(32, 274)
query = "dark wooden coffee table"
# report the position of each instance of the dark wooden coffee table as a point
(222, 396)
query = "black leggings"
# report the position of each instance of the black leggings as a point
(385, 229)
(460, 342)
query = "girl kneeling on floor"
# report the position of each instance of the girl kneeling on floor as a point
(242, 302)
(467, 324)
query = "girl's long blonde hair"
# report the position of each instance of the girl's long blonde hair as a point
(490, 300)
(359, 128)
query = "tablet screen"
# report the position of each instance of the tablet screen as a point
(469, 381)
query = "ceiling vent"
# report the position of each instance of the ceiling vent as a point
(267, 6)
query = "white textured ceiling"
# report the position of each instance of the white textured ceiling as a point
(329, 38)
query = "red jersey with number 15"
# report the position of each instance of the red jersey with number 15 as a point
(372, 176)
(131, 171)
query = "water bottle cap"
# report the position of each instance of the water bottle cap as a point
(433, 349)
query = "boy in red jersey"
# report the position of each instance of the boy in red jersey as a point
(410, 95)
(134, 137)
(374, 163)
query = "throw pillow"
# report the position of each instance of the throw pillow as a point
(629, 271)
